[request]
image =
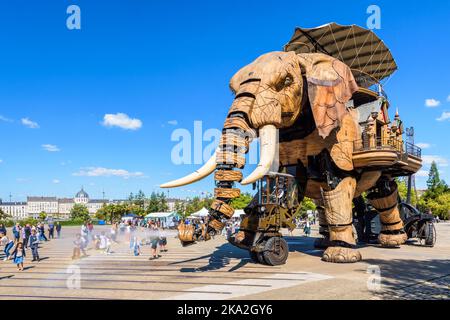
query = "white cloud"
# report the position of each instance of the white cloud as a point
(173, 122)
(432, 103)
(448, 98)
(1, 161)
(445, 116)
(56, 181)
(121, 120)
(104, 172)
(440, 161)
(2, 118)
(423, 145)
(50, 148)
(30, 124)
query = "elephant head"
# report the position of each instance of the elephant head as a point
(269, 95)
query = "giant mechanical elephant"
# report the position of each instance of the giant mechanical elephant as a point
(300, 102)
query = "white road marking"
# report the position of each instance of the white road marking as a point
(284, 280)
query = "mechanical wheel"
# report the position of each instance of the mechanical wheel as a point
(276, 251)
(427, 234)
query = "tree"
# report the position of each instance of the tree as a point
(242, 201)
(3, 215)
(402, 185)
(433, 177)
(42, 215)
(157, 203)
(79, 212)
(197, 204)
(180, 208)
(306, 205)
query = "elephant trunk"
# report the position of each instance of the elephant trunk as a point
(233, 146)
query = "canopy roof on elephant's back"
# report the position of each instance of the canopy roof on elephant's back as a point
(359, 48)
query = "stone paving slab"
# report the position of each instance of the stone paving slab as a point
(217, 270)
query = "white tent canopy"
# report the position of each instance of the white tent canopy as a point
(200, 214)
(160, 215)
(238, 213)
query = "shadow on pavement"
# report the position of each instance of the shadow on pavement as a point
(413, 279)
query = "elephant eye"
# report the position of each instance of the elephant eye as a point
(288, 80)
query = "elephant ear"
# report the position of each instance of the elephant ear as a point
(330, 86)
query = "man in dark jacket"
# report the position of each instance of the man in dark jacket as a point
(34, 245)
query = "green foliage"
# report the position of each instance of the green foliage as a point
(79, 212)
(197, 204)
(307, 204)
(157, 203)
(29, 221)
(74, 222)
(42, 216)
(437, 196)
(402, 185)
(3, 215)
(433, 177)
(138, 199)
(7, 223)
(241, 202)
(180, 208)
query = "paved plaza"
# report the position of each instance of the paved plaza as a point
(217, 270)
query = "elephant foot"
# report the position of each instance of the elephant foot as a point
(341, 255)
(392, 240)
(322, 243)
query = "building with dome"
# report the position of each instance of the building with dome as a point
(81, 197)
(61, 207)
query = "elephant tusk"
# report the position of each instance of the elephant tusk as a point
(268, 141)
(199, 174)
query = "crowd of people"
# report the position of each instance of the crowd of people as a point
(26, 237)
(137, 232)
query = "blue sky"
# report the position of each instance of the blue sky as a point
(167, 64)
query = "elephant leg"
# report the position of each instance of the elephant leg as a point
(322, 243)
(338, 213)
(385, 200)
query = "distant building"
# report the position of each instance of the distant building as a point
(15, 210)
(36, 205)
(171, 203)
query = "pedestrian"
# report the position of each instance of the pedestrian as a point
(307, 229)
(16, 231)
(154, 238)
(7, 244)
(113, 232)
(136, 246)
(85, 233)
(18, 255)
(90, 228)
(51, 230)
(108, 245)
(42, 236)
(163, 241)
(34, 245)
(2, 229)
(27, 231)
(79, 245)
(58, 229)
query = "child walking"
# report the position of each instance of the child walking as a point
(18, 255)
(7, 244)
